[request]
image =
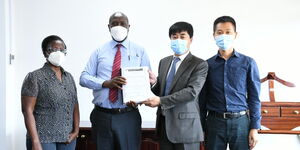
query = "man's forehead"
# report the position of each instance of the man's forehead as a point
(118, 17)
(118, 14)
(56, 42)
(225, 25)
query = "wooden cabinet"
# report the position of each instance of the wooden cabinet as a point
(280, 117)
(84, 140)
(149, 139)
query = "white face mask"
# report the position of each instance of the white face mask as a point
(56, 58)
(119, 33)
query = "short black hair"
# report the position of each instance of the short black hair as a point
(181, 26)
(48, 40)
(223, 19)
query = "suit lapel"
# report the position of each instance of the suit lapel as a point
(183, 66)
(165, 69)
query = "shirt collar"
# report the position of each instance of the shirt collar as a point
(125, 43)
(48, 68)
(182, 57)
(235, 53)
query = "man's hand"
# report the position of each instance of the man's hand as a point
(72, 136)
(116, 82)
(152, 101)
(253, 138)
(132, 104)
(152, 77)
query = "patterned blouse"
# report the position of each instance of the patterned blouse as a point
(55, 102)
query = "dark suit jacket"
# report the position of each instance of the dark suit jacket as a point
(181, 107)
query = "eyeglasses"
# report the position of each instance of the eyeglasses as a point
(55, 50)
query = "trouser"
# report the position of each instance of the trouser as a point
(53, 146)
(116, 131)
(166, 144)
(221, 132)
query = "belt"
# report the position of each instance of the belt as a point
(228, 115)
(116, 110)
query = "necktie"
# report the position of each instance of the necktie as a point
(171, 75)
(113, 92)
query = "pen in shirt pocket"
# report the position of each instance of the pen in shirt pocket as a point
(136, 55)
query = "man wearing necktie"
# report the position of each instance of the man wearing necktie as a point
(180, 79)
(115, 126)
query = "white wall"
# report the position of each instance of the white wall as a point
(7, 127)
(268, 31)
(2, 74)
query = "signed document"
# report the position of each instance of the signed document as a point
(138, 87)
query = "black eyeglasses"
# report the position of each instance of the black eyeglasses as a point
(55, 50)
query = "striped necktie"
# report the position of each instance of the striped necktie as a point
(113, 92)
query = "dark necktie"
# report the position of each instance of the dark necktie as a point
(113, 92)
(171, 75)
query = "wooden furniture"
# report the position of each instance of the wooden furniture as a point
(279, 117)
(84, 139)
(270, 78)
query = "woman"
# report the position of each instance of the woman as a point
(49, 102)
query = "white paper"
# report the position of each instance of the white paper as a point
(138, 87)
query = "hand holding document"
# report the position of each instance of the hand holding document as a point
(152, 101)
(137, 88)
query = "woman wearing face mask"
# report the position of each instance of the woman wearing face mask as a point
(49, 102)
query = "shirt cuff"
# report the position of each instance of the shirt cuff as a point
(255, 125)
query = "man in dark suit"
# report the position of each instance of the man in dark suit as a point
(180, 79)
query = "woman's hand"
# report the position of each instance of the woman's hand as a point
(72, 136)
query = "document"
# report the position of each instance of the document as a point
(138, 87)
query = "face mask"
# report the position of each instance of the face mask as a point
(224, 41)
(119, 33)
(179, 46)
(56, 58)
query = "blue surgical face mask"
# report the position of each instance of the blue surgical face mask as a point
(224, 41)
(179, 46)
